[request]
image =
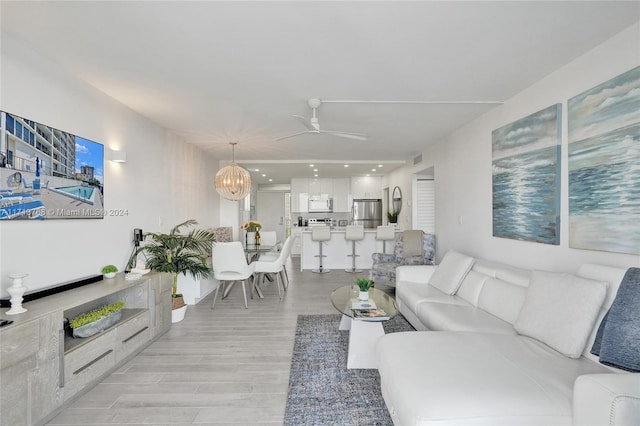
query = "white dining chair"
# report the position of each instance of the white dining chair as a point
(230, 265)
(275, 267)
(285, 253)
(268, 238)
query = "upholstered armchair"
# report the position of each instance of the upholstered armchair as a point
(383, 270)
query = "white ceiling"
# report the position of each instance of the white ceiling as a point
(216, 72)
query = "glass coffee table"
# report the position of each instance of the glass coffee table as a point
(364, 332)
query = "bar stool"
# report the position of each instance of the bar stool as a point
(353, 233)
(320, 234)
(384, 234)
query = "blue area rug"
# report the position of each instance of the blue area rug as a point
(321, 389)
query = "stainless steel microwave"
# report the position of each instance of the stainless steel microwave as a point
(320, 205)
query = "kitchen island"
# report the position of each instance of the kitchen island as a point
(337, 250)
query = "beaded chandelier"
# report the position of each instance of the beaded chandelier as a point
(233, 182)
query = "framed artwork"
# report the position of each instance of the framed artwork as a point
(526, 183)
(604, 166)
(46, 173)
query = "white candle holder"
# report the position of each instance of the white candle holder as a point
(16, 291)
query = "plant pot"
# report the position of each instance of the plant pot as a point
(177, 315)
(98, 325)
(363, 295)
(110, 275)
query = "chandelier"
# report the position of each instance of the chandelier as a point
(233, 182)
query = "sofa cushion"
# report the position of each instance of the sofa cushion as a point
(451, 271)
(560, 310)
(449, 317)
(476, 378)
(472, 286)
(411, 294)
(502, 299)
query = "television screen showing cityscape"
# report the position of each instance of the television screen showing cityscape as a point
(46, 173)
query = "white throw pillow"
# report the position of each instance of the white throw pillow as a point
(560, 310)
(451, 271)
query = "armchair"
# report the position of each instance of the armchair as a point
(383, 270)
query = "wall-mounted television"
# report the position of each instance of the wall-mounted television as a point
(46, 173)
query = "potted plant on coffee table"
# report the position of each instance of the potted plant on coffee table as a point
(177, 253)
(364, 284)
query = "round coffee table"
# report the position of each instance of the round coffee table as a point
(363, 332)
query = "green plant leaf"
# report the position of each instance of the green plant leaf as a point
(96, 314)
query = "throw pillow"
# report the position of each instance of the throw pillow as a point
(560, 310)
(451, 271)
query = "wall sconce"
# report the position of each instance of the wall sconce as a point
(118, 156)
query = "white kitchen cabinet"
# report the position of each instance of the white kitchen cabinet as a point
(299, 185)
(341, 202)
(326, 186)
(366, 187)
(300, 195)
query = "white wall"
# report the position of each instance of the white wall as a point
(163, 182)
(462, 166)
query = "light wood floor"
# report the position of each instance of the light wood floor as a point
(226, 366)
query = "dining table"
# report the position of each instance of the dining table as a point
(253, 252)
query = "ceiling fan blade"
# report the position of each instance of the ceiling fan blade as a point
(357, 136)
(293, 135)
(305, 122)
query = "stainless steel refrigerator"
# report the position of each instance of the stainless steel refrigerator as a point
(367, 212)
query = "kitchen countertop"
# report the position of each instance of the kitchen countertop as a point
(335, 229)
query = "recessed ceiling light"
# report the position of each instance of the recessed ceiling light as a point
(264, 175)
(346, 165)
(379, 165)
(315, 170)
(315, 175)
(368, 175)
(373, 170)
(256, 170)
(310, 165)
(270, 180)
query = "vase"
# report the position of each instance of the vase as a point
(251, 238)
(16, 291)
(177, 315)
(97, 326)
(363, 295)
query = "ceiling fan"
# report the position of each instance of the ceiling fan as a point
(313, 125)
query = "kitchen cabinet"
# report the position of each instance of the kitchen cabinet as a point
(300, 195)
(341, 201)
(336, 188)
(366, 187)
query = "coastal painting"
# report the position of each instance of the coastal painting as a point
(46, 173)
(604, 166)
(526, 182)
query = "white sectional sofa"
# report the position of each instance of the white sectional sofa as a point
(494, 350)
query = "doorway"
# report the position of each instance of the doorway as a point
(272, 211)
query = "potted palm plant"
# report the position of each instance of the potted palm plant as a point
(392, 216)
(177, 253)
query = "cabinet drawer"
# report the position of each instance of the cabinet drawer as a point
(89, 362)
(132, 335)
(18, 342)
